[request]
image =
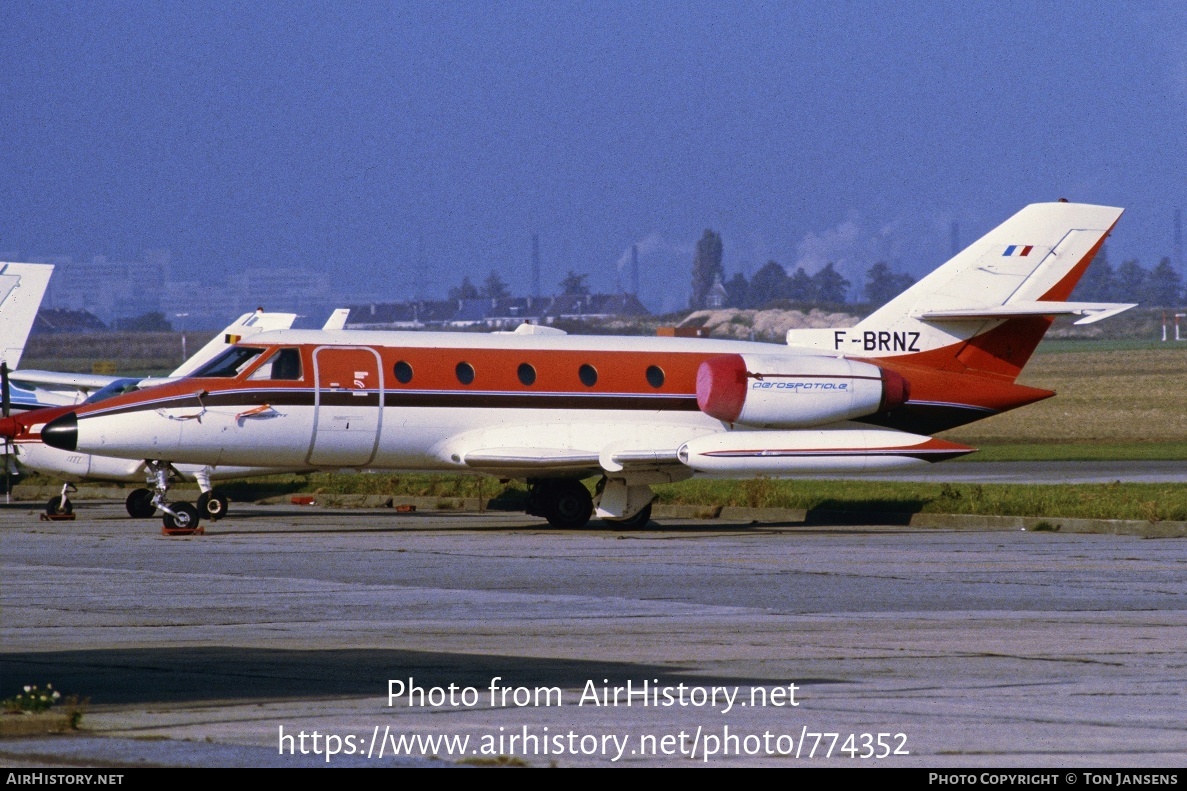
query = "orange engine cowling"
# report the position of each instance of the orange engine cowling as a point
(792, 391)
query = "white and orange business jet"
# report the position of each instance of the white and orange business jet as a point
(553, 409)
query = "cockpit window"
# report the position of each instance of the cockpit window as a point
(116, 388)
(229, 363)
(283, 365)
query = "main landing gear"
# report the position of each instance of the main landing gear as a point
(139, 504)
(212, 504)
(564, 502)
(567, 504)
(636, 522)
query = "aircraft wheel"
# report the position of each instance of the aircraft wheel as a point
(186, 519)
(569, 505)
(139, 504)
(56, 506)
(636, 522)
(212, 505)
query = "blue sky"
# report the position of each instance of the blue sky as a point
(337, 136)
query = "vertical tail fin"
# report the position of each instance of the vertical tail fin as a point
(987, 308)
(22, 287)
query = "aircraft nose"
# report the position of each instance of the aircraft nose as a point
(61, 432)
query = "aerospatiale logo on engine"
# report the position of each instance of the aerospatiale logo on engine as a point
(797, 387)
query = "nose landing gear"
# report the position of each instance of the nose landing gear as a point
(180, 519)
(61, 506)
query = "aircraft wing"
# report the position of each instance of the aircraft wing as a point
(544, 459)
(57, 380)
(567, 449)
(529, 459)
(37, 389)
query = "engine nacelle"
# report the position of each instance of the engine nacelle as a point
(777, 391)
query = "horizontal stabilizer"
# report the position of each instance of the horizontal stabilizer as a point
(1091, 311)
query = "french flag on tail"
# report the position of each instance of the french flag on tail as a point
(1018, 249)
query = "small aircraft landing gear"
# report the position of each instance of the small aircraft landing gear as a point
(180, 519)
(61, 505)
(564, 502)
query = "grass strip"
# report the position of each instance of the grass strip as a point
(1150, 501)
(1153, 502)
(1072, 451)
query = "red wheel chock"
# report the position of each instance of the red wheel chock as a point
(183, 531)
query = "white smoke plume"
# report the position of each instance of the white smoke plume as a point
(652, 244)
(913, 245)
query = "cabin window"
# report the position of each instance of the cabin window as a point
(230, 363)
(527, 374)
(655, 376)
(403, 372)
(588, 375)
(284, 366)
(465, 373)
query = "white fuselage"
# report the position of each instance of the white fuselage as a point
(509, 406)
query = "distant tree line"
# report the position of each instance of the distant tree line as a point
(771, 284)
(153, 321)
(1129, 282)
(494, 287)
(1161, 287)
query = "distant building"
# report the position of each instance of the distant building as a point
(52, 321)
(290, 289)
(706, 265)
(108, 289)
(505, 313)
